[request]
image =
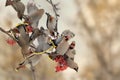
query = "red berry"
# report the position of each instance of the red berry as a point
(11, 42)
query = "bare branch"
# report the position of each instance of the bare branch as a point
(32, 69)
(2, 30)
(54, 8)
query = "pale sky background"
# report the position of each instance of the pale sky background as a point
(67, 19)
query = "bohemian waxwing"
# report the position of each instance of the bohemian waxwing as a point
(62, 42)
(43, 40)
(23, 37)
(31, 7)
(52, 24)
(71, 51)
(64, 33)
(18, 6)
(62, 46)
(68, 54)
(34, 14)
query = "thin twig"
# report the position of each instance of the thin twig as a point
(2, 30)
(54, 8)
(32, 69)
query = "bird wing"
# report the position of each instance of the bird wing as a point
(31, 7)
(20, 7)
(34, 13)
(35, 17)
(62, 47)
(35, 34)
(43, 41)
(51, 25)
(71, 53)
(23, 38)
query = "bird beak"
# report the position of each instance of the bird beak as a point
(76, 69)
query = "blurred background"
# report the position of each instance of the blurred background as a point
(96, 24)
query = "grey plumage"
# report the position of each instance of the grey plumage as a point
(62, 42)
(72, 64)
(64, 33)
(43, 40)
(70, 53)
(62, 46)
(18, 6)
(31, 7)
(69, 57)
(34, 14)
(51, 24)
(23, 38)
(36, 32)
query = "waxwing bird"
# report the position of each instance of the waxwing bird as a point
(62, 46)
(43, 40)
(64, 33)
(22, 37)
(34, 59)
(34, 14)
(72, 64)
(51, 24)
(35, 17)
(62, 42)
(31, 7)
(70, 53)
(18, 6)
